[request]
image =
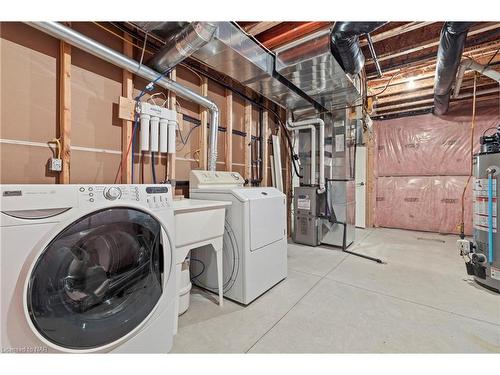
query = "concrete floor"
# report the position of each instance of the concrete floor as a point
(420, 301)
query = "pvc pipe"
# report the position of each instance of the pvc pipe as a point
(86, 44)
(310, 124)
(145, 132)
(163, 135)
(155, 129)
(312, 129)
(171, 136)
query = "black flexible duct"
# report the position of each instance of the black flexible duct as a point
(345, 43)
(451, 46)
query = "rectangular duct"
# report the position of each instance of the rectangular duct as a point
(237, 55)
(310, 65)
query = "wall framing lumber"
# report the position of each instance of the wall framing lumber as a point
(127, 92)
(172, 105)
(65, 111)
(228, 159)
(265, 148)
(247, 174)
(203, 128)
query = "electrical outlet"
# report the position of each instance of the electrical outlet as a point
(463, 246)
(55, 165)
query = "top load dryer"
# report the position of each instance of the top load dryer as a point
(255, 236)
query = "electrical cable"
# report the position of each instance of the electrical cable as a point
(473, 125)
(153, 171)
(492, 57)
(202, 269)
(148, 87)
(57, 142)
(386, 85)
(184, 142)
(143, 50)
(293, 156)
(220, 81)
(120, 167)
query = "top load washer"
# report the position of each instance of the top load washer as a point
(255, 236)
(87, 268)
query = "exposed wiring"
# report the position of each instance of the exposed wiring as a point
(122, 38)
(152, 98)
(184, 141)
(148, 87)
(492, 57)
(124, 159)
(57, 142)
(202, 268)
(192, 70)
(493, 127)
(143, 49)
(153, 171)
(199, 74)
(472, 127)
(386, 85)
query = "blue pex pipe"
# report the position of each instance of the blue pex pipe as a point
(490, 218)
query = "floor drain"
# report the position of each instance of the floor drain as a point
(430, 239)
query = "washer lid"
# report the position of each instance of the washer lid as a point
(98, 280)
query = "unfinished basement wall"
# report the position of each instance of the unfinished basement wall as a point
(29, 97)
(422, 166)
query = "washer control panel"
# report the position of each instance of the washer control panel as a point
(199, 179)
(152, 196)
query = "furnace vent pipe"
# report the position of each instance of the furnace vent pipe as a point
(451, 46)
(103, 52)
(182, 45)
(345, 43)
(472, 65)
(311, 125)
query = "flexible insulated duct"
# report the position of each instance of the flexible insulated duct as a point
(182, 45)
(70, 36)
(345, 43)
(451, 46)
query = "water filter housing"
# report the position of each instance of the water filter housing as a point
(158, 125)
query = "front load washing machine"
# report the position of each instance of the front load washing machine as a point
(87, 268)
(255, 236)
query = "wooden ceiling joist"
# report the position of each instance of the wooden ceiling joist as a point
(410, 26)
(259, 27)
(475, 30)
(288, 32)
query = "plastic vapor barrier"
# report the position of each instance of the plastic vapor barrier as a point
(421, 167)
(423, 203)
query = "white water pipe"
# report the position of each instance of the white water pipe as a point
(311, 125)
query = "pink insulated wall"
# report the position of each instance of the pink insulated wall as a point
(421, 169)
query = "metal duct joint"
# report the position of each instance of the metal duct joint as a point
(451, 46)
(182, 45)
(345, 43)
(70, 36)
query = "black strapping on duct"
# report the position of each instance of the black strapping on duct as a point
(451, 46)
(345, 43)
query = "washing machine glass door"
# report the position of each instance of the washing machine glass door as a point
(98, 279)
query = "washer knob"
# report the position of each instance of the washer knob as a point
(112, 193)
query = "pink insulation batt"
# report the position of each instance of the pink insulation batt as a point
(422, 165)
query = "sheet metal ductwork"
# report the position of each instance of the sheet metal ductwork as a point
(345, 43)
(182, 45)
(451, 46)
